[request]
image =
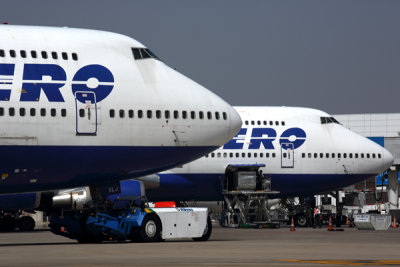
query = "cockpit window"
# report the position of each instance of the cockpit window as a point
(325, 120)
(151, 53)
(142, 53)
(136, 53)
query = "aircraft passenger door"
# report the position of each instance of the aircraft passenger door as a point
(287, 155)
(86, 113)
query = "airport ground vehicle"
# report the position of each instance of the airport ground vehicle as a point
(131, 219)
(10, 221)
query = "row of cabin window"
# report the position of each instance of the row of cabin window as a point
(167, 114)
(32, 112)
(303, 155)
(34, 54)
(339, 155)
(241, 155)
(264, 123)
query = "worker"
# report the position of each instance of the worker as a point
(317, 217)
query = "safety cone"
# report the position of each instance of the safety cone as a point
(394, 223)
(292, 226)
(330, 228)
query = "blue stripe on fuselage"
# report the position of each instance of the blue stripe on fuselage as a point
(40, 168)
(207, 187)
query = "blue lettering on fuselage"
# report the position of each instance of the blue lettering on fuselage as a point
(50, 78)
(31, 88)
(264, 137)
(6, 72)
(101, 73)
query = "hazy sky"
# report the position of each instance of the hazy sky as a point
(338, 56)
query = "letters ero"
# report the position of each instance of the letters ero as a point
(35, 79)
(265, 136)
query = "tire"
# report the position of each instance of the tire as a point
(150, 231)
(301, 220)
(26, 223)
(207, 232)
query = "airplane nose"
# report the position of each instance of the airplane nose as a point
(388, 159)
(236, 121)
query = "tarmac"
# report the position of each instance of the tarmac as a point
(226, 247)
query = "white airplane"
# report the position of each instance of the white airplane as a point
(86, 108)
(305, 151)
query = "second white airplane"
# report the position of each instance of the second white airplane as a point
(305, 151)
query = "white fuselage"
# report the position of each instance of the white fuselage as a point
(304, 152)
(80, 107)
